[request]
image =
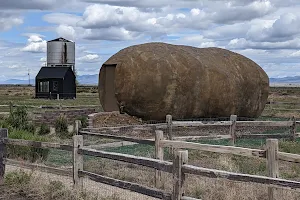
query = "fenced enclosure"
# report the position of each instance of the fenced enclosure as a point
(174, 129)
(178, 168)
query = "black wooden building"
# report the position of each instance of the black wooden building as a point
(54, 82)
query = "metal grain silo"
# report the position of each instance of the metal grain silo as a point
(61, 53)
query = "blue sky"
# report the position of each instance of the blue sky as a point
(266, 31)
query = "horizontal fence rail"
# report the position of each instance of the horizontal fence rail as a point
(52, 107)
(43, 168)
(264, 136)
(200, 123)
(147, 162)
(152, 192)
(124, 138)
(37, 144)
(294, 158)
(129, 127)
(206, 137)
(212, 173)
(215, 148)
(228, 123)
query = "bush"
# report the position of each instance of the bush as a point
(84, 121)
(61, 127)
(18, 118)
(5, 124)
(27, 153)
(30, 127)
(44, 129)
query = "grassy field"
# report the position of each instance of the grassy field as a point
(24, 95)
(88, 95)
(289, 95)
(198, 187)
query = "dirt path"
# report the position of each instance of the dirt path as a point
(102, 190)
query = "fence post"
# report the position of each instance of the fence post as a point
(77, 161)
(3, 135)
(181, 157)
(159, 154)
(272, 163)
(293, 129)
(169, 133)
(271, 104)
(77, 127)
(233, 119)
(169, 126)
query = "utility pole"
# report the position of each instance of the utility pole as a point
(29, 77)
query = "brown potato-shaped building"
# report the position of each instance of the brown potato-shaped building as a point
(155, 79)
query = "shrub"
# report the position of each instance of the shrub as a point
(61, 127)
(18, 118)
(84, 121)
(30, 127)
(27, 153)
(5, 124)
(44, 129)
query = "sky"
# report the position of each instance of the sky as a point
(266, 31)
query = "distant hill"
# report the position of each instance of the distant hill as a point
(83, 80)
(88, 79)
(93, 80)
(17, 81)
(293, 79)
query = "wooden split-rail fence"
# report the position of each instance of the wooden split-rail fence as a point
(178, 167)
(232, 125)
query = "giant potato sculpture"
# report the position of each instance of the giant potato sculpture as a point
(155, 79)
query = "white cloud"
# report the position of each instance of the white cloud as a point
(114, 34)
(62, 18)
(101, 16)
(266, 31)
(9, 20)
(34, 38)
(89, 58)
(67, 32)
(208, 44)
(32, 4)
(295, 54)
(35, 44)
(238, 13)
(13, 66)
(195, 11)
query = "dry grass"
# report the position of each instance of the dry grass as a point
(290, 95)
(202, 187)
(21, 185)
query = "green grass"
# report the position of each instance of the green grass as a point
(249, 143)
(89, 98)
(268, 118)
(58, 158)
(277, 131)
(27, 153)
(136, 150)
